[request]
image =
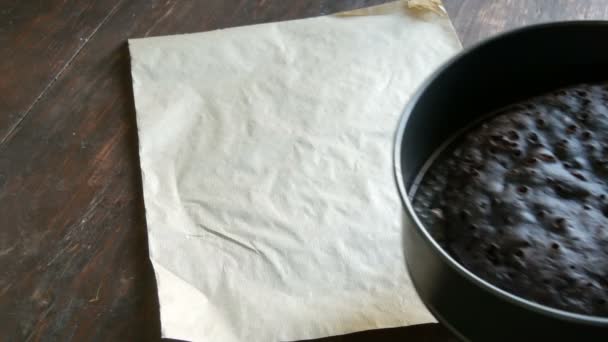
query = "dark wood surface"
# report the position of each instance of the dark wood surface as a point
(73, 249)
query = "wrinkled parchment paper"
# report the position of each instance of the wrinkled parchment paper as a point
(266, 161)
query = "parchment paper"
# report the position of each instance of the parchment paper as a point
(266, 161)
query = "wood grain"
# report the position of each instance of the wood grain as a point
(478, 19)
(38, 39)
(73, 249)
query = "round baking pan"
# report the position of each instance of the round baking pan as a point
(497, 72)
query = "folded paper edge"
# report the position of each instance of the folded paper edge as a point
(418, 6)
(186, 311)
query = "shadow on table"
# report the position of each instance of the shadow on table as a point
(423, 332)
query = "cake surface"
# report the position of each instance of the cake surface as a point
(521, 200)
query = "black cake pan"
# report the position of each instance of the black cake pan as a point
(497, 72)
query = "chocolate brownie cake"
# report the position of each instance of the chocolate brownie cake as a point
(521, 199)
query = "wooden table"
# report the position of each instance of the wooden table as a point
(73, 250)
